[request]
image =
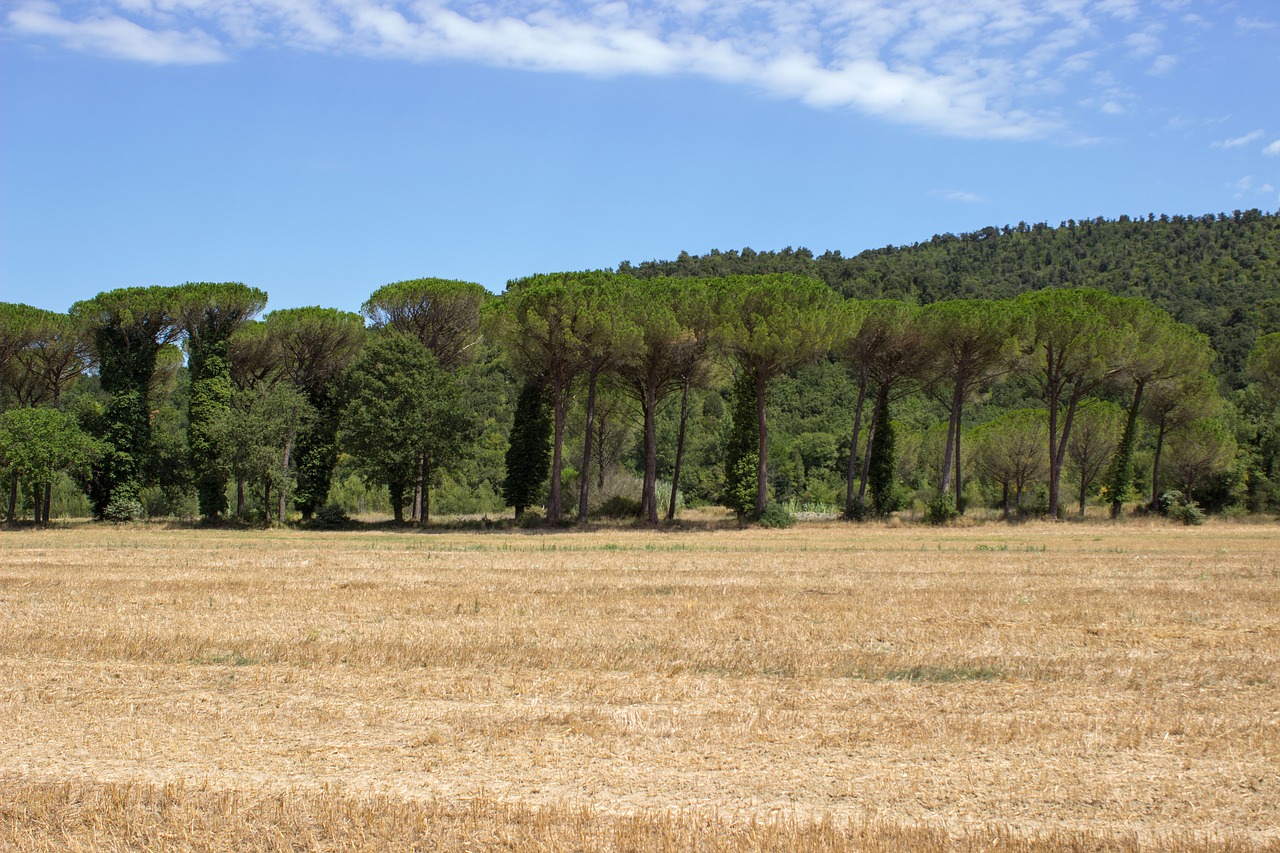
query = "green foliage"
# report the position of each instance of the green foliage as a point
(403, 414)
(123, 509)
(776, 515)
(528, 459)
(37, 445)
(331, 516)
(1178, 507)
(443, 315)
(941, 509)
(314, 347)
(1219, 273)
(210, 314)
(741, 459)
(883, 468)
(129, 328)
(619, 507)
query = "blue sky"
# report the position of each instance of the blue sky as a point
(319, 149)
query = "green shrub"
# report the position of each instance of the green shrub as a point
(1176, 506)
(331, 516)
(857, 511)
(776, 515)
(618, 507)
(941, 509)
(123, 510)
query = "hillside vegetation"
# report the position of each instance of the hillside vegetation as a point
(1220, 274)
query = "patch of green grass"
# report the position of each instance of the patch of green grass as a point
(932, 674)
(228, 659)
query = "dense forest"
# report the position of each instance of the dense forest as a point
(1131, 364)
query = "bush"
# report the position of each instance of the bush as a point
(123, 510)
(1175, 505)
(331, 516)
(619, 507)
(776, 515)
(941, 509)
(858, 511)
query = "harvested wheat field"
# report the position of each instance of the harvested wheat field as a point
(827, 687)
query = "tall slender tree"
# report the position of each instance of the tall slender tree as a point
(128, 328)
(1074, 346)
(210, 314)
(973, 343)
(1159, 350)
(539, 321)
(441, 314)
(771, 324)
(1098, 431)
(654, 367)
(528, 457)
(315, 347)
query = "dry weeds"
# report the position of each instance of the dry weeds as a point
(826, 687)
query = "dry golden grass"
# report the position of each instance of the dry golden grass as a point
(826, 687)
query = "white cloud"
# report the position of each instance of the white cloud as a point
(1272, 150)
(960, 195)
(1143, 44)
(1254, 24)
(1112, 108)
(1252, 136)
(985, 69)
(116, 36)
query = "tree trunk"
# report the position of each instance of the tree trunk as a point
(853, 446)
(426, 489)
(675, 473)
(871, 439)
(1155, 467)
(395, 489)
(959, 481)
(284, 469)
(13, 501)
(48, 503)
(240, 498)
(37, 502)
(1124, 454)
(649, 491)
(416, 515)
(1083, 492)
(559, 404)
(1056, 463)
(600, 453)
(762, 469)
(1004, 499)
(585, 477)
(1053, 455)
(953, 426)
(266, 503)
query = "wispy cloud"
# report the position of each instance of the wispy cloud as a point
(1272, 150)
(960, 195)
(1236, 142)
(987, 69)
(113, 35)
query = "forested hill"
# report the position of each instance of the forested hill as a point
(1219, 273)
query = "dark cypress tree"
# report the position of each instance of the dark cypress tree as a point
(741, 448)
(529, 453)
(882, 470)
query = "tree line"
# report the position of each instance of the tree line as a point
(272, 404)
(680, 381)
